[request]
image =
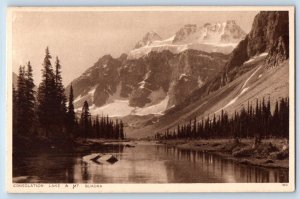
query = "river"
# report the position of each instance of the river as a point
(144, 163)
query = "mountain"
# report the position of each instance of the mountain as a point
(217, 37)
(218, 33)
(257, 68)
(148, 85)
(162, 88)
(149, 38)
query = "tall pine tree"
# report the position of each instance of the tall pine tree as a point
(47, 96)
(30, 98)
(71, 118)
(60, 104)
(85, 120)
(21, 101)
(24, 101)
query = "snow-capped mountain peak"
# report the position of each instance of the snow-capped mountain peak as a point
(148, 39)
(210, 37)
(216, 33)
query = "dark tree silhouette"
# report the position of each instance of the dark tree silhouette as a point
(47, 96)
(71, 118)
(60, 104)
(251, 122)
(30, 99)
(85, 120)
(24, 101)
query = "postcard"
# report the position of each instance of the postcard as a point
(150, 99)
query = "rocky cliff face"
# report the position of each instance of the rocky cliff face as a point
(268, 40)
(147, 81)
(269, 33)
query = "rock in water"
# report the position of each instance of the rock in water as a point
(96, 158)
(108, 158)
(100, 158)
(91, 157)
(129, 145)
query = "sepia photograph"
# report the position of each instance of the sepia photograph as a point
(150, 99)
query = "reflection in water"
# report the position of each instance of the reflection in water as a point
(144, 163)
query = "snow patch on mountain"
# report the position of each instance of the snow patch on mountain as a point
(200, 82)
(115, 95)
(182, 76)
(140, 52)
(121, 108)
(117, 108)
(157, 109)
(92, 92)
(77, 99)
(178, 48)
(156, 96)
(244, 89)
(255, 57)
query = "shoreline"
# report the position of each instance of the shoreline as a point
(271, 153)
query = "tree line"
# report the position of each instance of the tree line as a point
(100, 127)
(45, 111)
(249, 122)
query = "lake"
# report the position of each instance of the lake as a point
(147, 162)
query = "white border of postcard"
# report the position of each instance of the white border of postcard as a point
(147, 188)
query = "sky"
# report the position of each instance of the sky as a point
(79, 39)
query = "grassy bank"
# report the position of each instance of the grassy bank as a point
(271, 153)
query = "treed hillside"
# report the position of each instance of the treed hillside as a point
(46, 118)
(254, 121)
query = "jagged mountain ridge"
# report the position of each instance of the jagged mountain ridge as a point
(157, 79)
(160, 80)
(147, 81)
(217, 37)
(148, 39)
(225, 32)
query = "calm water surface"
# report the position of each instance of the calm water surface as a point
(145, 163)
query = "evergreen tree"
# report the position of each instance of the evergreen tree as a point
(60, 104)
(71, 118)
(30, 98)
(21, 102)
(85, 119)
(24, 101)
(47, 96)
(97, 126)
(122, 134)
(15, 110)
(244, 123)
